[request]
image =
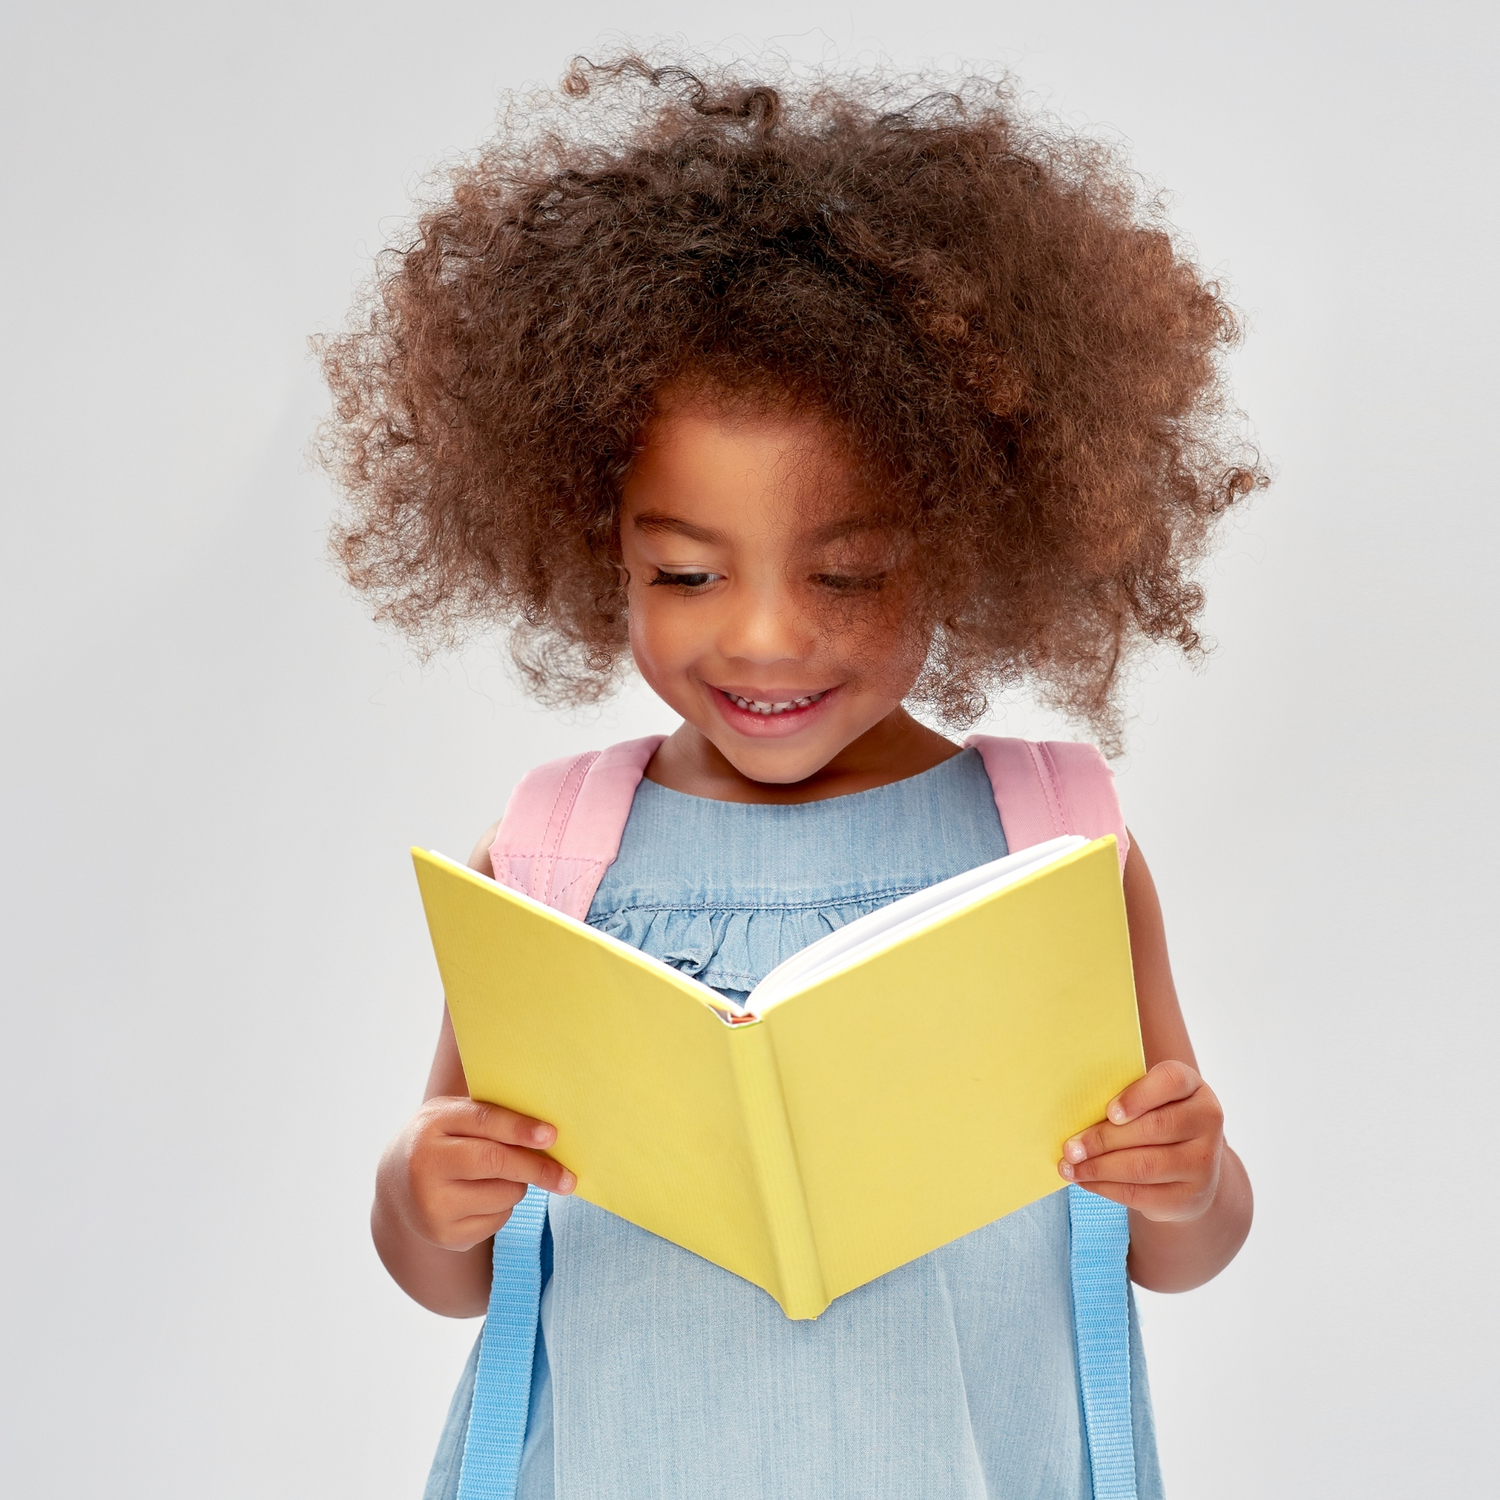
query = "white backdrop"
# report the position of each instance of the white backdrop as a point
(218, 1000)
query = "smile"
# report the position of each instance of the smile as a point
(760, 706)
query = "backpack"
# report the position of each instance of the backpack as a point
(560, 833)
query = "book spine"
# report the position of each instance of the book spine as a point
(801, 1293)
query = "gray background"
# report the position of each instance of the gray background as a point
(218, 1000)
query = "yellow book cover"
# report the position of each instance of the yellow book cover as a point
(898, 1084)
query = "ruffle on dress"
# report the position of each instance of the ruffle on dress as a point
(732, 950)
(724, 891)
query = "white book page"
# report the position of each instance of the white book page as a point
(887, 926)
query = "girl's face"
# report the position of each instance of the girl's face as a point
(764, 606)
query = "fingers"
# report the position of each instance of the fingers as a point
(455, 1146)
(1159, 1151)
(1164, 1083)
(1187, 1161)
(479, 1203)
(1177, 1185)
(458, 1187)
(453, 1212)
(1182, 1113)
(466, 1140)
(472, 1159)
(1178, 1121)
(491, 1121)
(462, 1214)
(459, 1167)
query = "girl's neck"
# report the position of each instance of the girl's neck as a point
(897, 747)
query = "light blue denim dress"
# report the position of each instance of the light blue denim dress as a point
(659, 1376)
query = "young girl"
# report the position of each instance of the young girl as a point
(825, 407)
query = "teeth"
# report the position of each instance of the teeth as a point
(759, 706)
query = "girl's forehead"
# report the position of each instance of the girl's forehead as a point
(728, 525)
(708, 431)
(793, 464)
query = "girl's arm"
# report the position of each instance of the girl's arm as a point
(1161, 1150)
(449, 1180)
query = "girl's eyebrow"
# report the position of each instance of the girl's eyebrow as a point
(836, 531)
(655, 520)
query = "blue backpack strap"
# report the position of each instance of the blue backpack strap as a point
(1100, 1237)
(507, 1347)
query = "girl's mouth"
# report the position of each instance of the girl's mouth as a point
(761, 706)
(773, 715)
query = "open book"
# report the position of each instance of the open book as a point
(903, 1081)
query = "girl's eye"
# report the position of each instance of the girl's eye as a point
(850, 583)
(683, 580)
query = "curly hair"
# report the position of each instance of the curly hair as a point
(990, 309)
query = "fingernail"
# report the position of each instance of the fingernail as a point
(1117, 1112)
(1074, 1151)
(1066, 1170)
(543, 1134)
(566, 1183)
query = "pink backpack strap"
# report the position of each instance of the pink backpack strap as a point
(1046, 788)
(562, 826)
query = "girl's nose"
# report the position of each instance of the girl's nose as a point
(764, 626)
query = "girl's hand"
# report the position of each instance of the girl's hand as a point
(455, 1172)
(1160, 1149)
